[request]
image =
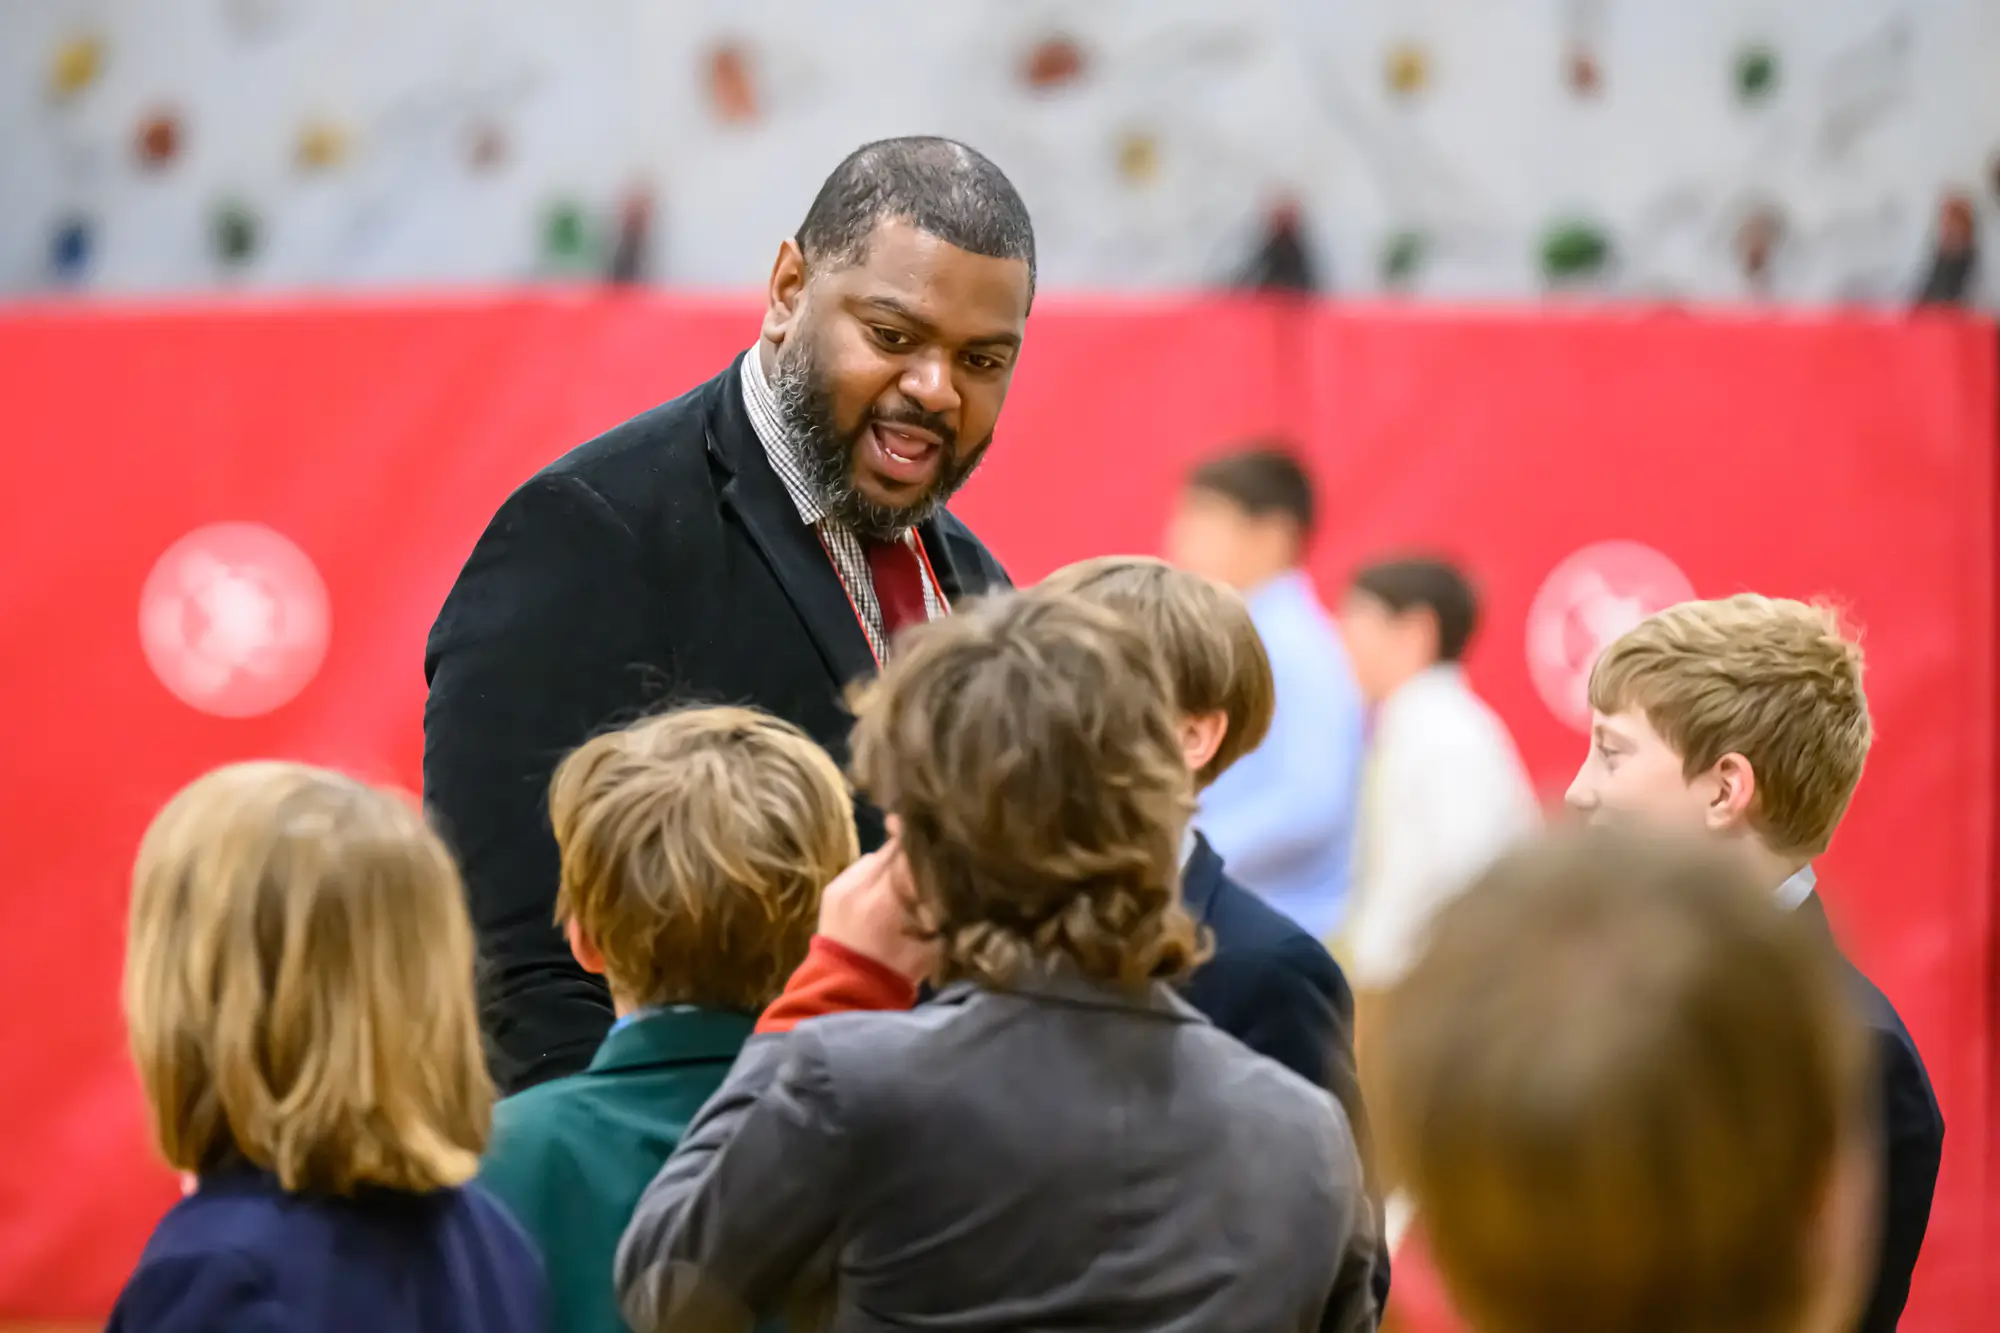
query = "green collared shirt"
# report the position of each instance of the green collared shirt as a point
(571, 1157)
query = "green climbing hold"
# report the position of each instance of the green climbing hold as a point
(570, 243)
(1756, 73)
(1402, 257)
(564, 233)
(1574, 250)
(235, 233)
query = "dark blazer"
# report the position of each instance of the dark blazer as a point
(570, 1157)
(661, 563)
(1277, 990)
(240, 1254)
(1269, 984)
(1058, 1155)
(1913, 1134)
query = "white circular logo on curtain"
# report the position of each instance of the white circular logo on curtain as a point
(1584, 604)
(234, 620)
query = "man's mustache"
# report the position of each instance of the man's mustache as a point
(922, 420)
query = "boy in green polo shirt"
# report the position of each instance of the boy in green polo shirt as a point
(694, 848)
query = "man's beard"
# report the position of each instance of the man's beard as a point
(827, 455)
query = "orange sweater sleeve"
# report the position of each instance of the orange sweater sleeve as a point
(834, 979)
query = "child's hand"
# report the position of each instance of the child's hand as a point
(870, 909)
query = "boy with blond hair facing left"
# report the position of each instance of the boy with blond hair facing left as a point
(1744, 721)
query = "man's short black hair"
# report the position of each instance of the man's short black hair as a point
(1261, 479)
(939, 186)
(1428, 584)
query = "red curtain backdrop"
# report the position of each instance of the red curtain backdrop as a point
(1851, 457)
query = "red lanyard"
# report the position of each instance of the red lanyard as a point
(923, 557)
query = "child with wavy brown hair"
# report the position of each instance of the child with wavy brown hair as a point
(299, 993)
(1057, 1140)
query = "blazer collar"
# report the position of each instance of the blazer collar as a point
(673, 1036)
(1812, 913)
(754, 492)
(1065, 987)
(1200, 878)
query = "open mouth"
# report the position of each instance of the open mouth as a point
(903, 455)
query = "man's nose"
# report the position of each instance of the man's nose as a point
(927, 382)
(1580, 797)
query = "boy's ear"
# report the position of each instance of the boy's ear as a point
(1735, 789)
(1201, 736)
(582, 949)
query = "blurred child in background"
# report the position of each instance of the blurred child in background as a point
(1282, 816)
(299, 991)
(1445, 791)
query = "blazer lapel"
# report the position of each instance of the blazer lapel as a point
(939, 550)
(1811, 913)
(756, 495)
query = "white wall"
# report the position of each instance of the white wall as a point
(1882, 104)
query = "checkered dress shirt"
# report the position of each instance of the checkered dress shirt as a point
(842, 543)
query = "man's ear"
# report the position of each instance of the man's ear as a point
(582, 948)
(1735, 789)
(786, 294)
(1201, 736)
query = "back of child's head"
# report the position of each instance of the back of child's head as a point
(299, 985)
(1625, 1092)
(1773, 680)
(694, 848)
(1214, 657)
(1028, 747)
(1427, 584)
(1263, 479)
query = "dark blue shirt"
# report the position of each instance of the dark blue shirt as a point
(240, 1255)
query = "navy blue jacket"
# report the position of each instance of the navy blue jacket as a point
(1912, 1131)
(1277, 990)
(240, 1255)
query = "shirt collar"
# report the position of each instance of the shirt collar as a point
(1797, 888)
(768, 422)
(673, 1035)
(1420, 691)
(1291, 587)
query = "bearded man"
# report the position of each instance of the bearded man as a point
(757, 540)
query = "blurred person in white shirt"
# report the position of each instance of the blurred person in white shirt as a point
(1444, 791)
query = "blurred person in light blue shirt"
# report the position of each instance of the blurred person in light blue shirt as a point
(1283, 816)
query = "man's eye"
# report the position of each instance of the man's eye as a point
(981, 362)
(889, 337)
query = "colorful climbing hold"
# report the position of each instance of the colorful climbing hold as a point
(1574, 251)
(71, 248)
(158, 141)
(235, 232)
(77, 63)
(1056, 62)
(322, 146)
(1402, 257)
(1756, 73)
(1407, 69)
